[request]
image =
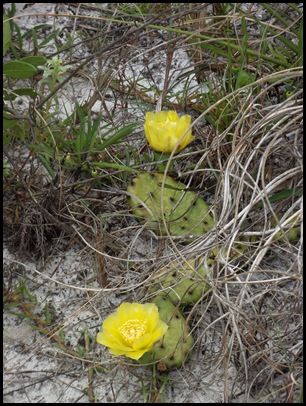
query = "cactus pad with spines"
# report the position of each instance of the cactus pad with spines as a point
(173, 350)
(184, 212)
(183, 283)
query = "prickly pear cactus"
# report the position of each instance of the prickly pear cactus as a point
(179, 283)
(183, 211)
(183, 283)
(173, 350)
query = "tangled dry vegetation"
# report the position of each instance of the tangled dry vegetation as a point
(246, 162)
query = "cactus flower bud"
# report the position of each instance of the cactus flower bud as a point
(165, 128)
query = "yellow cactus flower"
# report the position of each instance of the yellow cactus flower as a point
(132, 330)
(165, 128)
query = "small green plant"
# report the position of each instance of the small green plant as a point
(14, 71)
(80, 147)
(6, 168)
(52, 74)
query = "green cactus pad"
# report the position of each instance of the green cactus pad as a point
(173, 349)
(184, 212)
(239, 246)
(292, 234)
(183, 283)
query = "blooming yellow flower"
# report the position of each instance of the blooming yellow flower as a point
(165, 128)
(132, 330)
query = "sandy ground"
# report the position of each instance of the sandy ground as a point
(36, 371)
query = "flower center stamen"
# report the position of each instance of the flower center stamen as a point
(132, 329)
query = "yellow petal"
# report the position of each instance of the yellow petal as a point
(170, 128)
(185, 121)
(161, 117)
(111, 341)
(170, 143)
(135, 354)
(172, 116)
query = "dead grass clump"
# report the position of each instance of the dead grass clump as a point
(33, 222)
(253, 319)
